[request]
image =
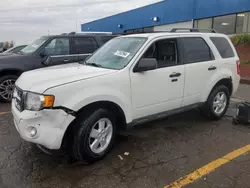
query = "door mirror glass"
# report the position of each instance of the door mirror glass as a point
(146, 64)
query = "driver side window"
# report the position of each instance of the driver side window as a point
(164, 51)
(58, 46)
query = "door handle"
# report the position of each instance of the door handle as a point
(175, 74)
(212, 68)
(66, 60)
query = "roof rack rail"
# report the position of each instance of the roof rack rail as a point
(90, 32)
(192, 30)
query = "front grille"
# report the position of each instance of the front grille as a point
(19, 99)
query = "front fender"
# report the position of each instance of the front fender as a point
(90, 95)
(219, 75)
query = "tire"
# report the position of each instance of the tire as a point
(6, 87)
(82, 139)
(210, 108)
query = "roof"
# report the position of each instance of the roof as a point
(162, 34)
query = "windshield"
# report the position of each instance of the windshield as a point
(35, 45)
(116, 53)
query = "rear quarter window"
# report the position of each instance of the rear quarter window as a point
(223, 46)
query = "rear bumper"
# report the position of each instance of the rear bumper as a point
(50, 126)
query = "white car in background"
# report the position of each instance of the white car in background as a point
(129, 80)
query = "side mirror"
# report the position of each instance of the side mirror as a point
(42, 54)
(146, 64)
(47, 61)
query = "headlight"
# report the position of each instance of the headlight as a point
(36, 102)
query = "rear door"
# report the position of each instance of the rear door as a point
(199, 68)
(84, 46)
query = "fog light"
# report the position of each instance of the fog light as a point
(32, 131)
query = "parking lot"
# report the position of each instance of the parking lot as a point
(158, 154)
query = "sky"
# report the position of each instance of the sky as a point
(25, 20)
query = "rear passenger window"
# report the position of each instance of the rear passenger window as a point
(196, 50)
(84, 45)
(223, 47)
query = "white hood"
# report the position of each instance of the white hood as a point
(40, 80)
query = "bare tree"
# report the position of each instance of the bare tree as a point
(12, 44)
(5, 45)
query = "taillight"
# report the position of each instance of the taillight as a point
(238, 67)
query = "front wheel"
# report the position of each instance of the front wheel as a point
(217, 103)
(7, 84)
(94, 136)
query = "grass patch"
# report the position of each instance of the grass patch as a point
(241, 39)
(245, 63)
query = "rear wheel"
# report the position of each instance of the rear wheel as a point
(94, 136)
(7, 84)
(217, 103)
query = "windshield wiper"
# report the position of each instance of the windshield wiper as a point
(93, 64)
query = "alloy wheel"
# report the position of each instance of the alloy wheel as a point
(101, 135)
(7, 88)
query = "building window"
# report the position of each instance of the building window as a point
(242, 22)
(205, 23)
(225, 24)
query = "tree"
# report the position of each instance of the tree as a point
(5, 45)
(12, 44)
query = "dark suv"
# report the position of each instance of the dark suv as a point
(47, 51)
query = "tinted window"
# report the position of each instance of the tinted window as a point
(106, 38)
(196, 50)
(223, 47)
(58, 46)
(84, 45)
(164, 51)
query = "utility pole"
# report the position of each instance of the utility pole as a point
(48, 32)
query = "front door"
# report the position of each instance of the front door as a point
(159, 90)
(58, 50)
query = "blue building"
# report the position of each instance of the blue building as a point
(225, 16)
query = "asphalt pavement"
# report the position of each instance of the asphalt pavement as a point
(151, 155)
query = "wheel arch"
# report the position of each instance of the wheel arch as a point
(223, 81)
(90, 108)
(16, 72)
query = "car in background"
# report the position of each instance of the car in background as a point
(47, 51)
(15, 49)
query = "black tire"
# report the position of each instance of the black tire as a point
(81, 148)
(208, 110)
(2, 80)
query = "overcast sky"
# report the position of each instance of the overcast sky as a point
(25, 20)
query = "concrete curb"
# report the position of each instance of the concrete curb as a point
(245, 81)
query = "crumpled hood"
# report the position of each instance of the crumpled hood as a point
(40, 80)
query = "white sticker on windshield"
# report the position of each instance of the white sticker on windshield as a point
(121, 53)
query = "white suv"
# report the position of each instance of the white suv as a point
(129, 80)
